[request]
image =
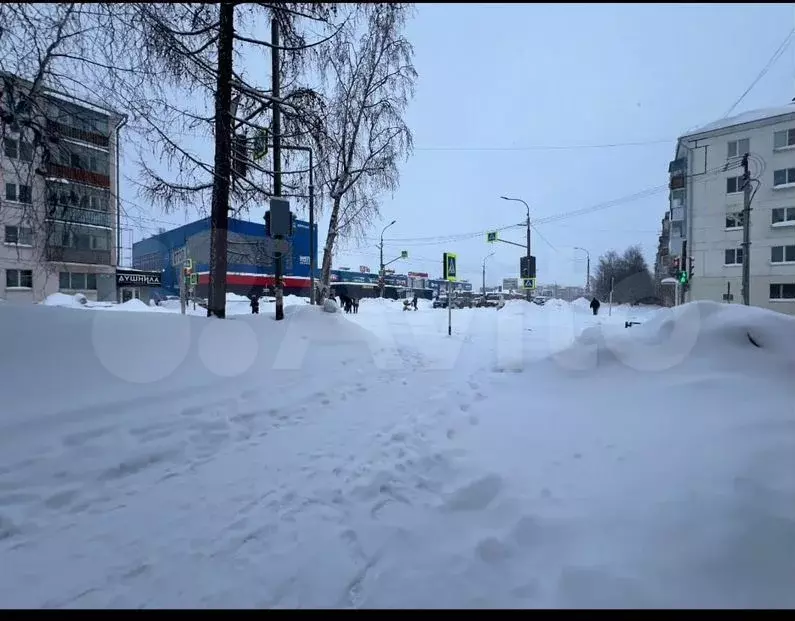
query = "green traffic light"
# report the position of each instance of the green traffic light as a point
(683, 277)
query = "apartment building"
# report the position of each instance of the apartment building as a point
(58, 195)
(663, 267)
(706, 202)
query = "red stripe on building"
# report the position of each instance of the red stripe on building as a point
(257, 280)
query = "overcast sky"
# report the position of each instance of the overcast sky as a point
(508, 96)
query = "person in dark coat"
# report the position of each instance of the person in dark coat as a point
(254, 305)
(414, 302)
(355, 303)
(595, 306)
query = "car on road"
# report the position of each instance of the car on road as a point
(440, 301)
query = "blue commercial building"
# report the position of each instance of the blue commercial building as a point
(250, 257)
(250, 263)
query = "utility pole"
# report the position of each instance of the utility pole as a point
(746, 232)
(219, 216)
(312, 265)
(587, 270)
(527, 222)
(491, 254)
(277, 157)
(381, 272)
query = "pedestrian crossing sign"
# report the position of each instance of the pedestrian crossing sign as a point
(448, 267)
(528, 283)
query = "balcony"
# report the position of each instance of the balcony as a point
(78, 176)
(79, 216)
(58, 129)
(75, 255)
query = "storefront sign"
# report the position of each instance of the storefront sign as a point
(133, 278)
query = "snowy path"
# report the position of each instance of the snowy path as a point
(476, 470)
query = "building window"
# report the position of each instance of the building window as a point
(734, 185)
(25, 194)
(782, 291)
(739, 147)
(18, 193)
(734, 256)
(783, 139)
(734, 220)
(783, 214)
(785, 176)
(782, 254)
(10, 148)
(19, 235)
(77, 281)
(19, 279)
(26, 151)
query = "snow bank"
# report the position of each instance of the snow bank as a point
(63, 300)
(191, 462)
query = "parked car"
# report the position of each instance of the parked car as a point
(440, 302)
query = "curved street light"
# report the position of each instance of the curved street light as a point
(381, 273)
(587, 270)
(519, 200)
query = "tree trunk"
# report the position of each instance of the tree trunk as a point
(219, 218)
(331, 237)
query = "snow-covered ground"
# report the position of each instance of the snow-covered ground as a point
(537, 457)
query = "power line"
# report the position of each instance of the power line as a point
(611, 145)
(776, 55)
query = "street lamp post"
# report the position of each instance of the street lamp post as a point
(587, 270)
(519, 200)
(491, 254)
(381, 273)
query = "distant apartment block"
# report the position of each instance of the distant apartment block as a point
(58, 194)
(706, 202)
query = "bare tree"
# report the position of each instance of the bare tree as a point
(371, 81)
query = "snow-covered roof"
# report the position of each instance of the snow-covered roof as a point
(741, 119)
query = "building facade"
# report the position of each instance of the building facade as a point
(250, 265)
(706, 203)
(663, 267)
(58, 195)
(250, 257)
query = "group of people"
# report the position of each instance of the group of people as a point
(349, 305)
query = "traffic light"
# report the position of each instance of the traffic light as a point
(690, 269)
(683, 277)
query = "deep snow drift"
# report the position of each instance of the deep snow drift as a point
(538, 457)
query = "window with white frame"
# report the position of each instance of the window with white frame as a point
(18, 149)
(18, 193)
(77, 281)
(782, 214)
(782, 291)
(18, 235)
(733, 256)
(19, 279)
(784, 176)
(784, 138)
(734, 220)
(738, 148)
(782, 254)
(734, 185)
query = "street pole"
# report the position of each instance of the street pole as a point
(527, 222)
(381, 273)
(491, 254)
(587, 270)
(449, 308)
(746, 232)
(277, 157)
(610, 308)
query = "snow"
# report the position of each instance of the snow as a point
(538, 457)
(745, 117)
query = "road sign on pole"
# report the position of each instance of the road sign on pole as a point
(449, 267)
(528, 283)
(491, 237)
